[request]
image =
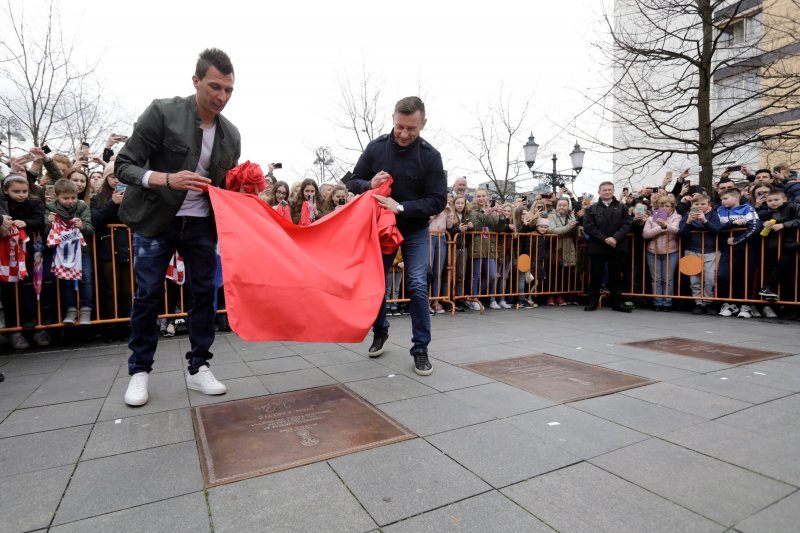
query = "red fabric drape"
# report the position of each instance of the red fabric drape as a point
(319, 283)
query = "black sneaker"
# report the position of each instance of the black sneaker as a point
(624, 307)
(376, 348)
(591, 306)
(422, 365)
(698, 310)
(768, 294)
(2, 377)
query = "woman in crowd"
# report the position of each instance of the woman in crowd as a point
(305, 206)
(458, 232)
(507, 257)
(485, 219)
(437, 226)
(661, 234)
(524, 228)
(77, 175)
(565, 226)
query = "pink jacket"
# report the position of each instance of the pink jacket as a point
(442, 221)
(662, 240)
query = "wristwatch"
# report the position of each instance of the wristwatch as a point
(400, 209)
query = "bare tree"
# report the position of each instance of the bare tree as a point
(701, 80)
(37, 61)
(326, 166)
(496, 142)
(362, 111)
(92, 117)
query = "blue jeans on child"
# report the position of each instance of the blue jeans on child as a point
(67, 286)
(438, 261)
(662, 271)
(484, 272)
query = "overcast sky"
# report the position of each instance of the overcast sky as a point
(289, 58)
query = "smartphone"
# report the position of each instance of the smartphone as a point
(493, 203)
(28, 157)
(120, 187)
(310, 198)
(46, 149)
(120, 138)
(640, 209)
(695, 189)
(660, 214)
(695, 209)
(50, 190)
(669, 174)
(277, 165)
(84, 144)
(341, 201)
(735, 168)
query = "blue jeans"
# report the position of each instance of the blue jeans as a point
(195, 239)
(84, 285)
(438, 260)
(484, 272)
(415, 248)
(662, 270)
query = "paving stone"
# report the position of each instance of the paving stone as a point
(357, 371)
(584, 498)
(389, 389)
(637, 414)
(648, 370)
(296, 380)
(302, 348)
(81, 364)
(449, 378)
(766, 420)
(688, 400)
(404, 479)
(258, 353)
(717, 490)
(231, 371)
(40, 451)
(77, 384)
(279, 364)
(20, 366)
(719, 383)
(790, 404)
(28, 501)
(340, 357)
(134, 433)
(309, 498)
(166, 390)
(427, 415)
(238, 389)
(772, 374)
(114, 483)
(185, 513)
(770, 455)
(49, 417)
(493, 451)
(577, 432)
(463, 356)
(500, 400)
(17, 388)
(778, 518)
(486, 512)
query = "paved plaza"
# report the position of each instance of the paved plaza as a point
(708, 447)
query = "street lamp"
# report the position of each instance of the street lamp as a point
(554, 179)
(11, 127)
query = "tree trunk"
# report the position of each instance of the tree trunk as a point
(705, 146)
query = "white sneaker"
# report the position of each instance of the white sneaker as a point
(754, 312)
(86, 316)
(475, 306)
(41, 338)
(205, 382)
(70, 316)
(170, 331)
(504, 304)
(136, 394)
(768, 312)
(727, 309)
(19, 342)
(494, 305)
(744, 312)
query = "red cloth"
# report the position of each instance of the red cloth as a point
(247, 177)
(318, 283)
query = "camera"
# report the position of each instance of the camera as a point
(46, 149)
(84, 144)
(277, 165)
(735, 168)
(341, 201)
(561, 184)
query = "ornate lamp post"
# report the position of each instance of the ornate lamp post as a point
(554, 179)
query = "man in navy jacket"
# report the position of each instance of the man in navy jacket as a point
(419, 191)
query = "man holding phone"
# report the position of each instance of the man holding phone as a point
(178, 148)
(419, 191)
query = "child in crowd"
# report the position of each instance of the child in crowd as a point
(564, 225)
(781, 219)
(540, 255)
(437, 226)
(739, 273)
(27, 219)
(506, 256)
(68, 225)
(458, 232)
(661, 234)
(522, 224)
(699, 227)
(278, 198)
(306, 204)
(394, 285)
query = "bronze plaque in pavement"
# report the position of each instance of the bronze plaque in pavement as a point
(257, 436)
(711, 351)
(557, 378)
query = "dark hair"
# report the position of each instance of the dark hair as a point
(297, 205)
(724, 180)
(64, 186)
(213, 57)
(776, 192)
(760, 170)
(103, 195)
(409, 105)
(14, 178)
(729, 192)
(87, 189)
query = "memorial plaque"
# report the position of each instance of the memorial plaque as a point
(257, 436)
(711, 351)
(557, 378)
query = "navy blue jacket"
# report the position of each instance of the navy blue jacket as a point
(705, 242)
(419, 180)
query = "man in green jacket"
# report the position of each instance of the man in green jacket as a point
(178, 148)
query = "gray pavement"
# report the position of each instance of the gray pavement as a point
(710, 447)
